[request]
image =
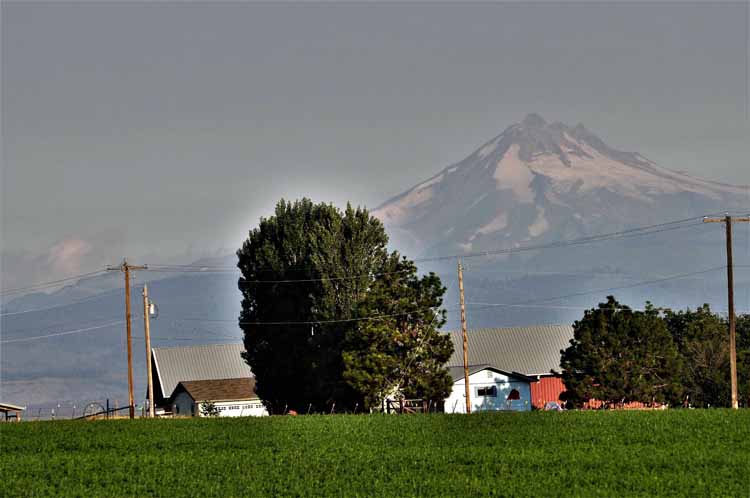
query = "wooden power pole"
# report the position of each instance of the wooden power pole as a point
(728, 220)
(465, 336)
(125, 269)
(147, 334)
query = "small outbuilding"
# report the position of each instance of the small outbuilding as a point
(490, 389)
(229, 397)
(11, 412)
(523, 352)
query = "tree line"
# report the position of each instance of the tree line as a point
(655, 355)
(332, 318)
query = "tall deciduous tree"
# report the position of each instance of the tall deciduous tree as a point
(402, 354)
(618, 354)
(312, 279)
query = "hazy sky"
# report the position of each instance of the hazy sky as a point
(162, 131)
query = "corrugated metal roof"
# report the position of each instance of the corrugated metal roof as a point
(527, 350)
(208, 362)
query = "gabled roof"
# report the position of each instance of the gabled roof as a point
(530, 351)
(208, 362)
(7, 407)
(218, 389)
(457, 372)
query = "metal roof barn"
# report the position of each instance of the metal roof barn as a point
(208, 362)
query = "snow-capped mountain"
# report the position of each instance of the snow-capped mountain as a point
(538, 182)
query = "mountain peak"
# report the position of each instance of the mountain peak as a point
(540, 180)
(534, 120)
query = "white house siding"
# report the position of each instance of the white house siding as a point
(456, 402)
(185, 406)
(247, 408)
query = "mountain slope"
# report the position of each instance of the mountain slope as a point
(540, 181)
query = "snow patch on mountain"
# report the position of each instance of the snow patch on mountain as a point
(540, 224)
(512, 173)
(418, 195)
(498, 223)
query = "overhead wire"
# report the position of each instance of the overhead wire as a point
(623, 234)
(645, 230)
(638, 231)
(377, 317)
(487, 306)
(641, 284)
(626, 234)
(317, 322)
(67, 332)
(103, 295)
(51, 283)
(601, 291)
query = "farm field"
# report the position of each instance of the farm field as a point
(679, 452)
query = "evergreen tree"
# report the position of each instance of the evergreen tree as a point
(743, 359)
(702, 339)
(618, 354)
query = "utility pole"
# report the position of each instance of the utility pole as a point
(147, 334)
(465, 335)
(125, 269)
(728, 220)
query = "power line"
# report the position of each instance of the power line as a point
(285, 281)
(599, 291)
(626, 234)
(51, 283)
(638, 231)
(166, 268)
(317, 322)
(67, 332)
(485, 306)
(72, 303)
(377, 317)
(312, 322)
(103, 295)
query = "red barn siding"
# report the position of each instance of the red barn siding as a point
(546, 389)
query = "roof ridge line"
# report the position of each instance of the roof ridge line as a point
(201, 345)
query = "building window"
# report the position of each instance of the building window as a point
(489, 392)
(489, 374)
(514, 395)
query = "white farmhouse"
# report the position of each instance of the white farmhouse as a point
(231, 397)
(490, 389)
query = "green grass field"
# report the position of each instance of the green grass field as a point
(690, 453)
